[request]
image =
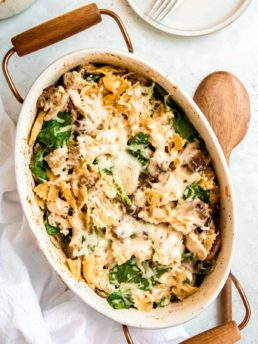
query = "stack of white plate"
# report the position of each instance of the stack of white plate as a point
(9, 8)
(193, 17)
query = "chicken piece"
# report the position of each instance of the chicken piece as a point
(58, 207)
(74, 80)
(90, 106)
(52, 101)
(77, 224)
(193, 244)
(57, 160)
(76, 221)
(127, 227)
(167, 244)
(139, 198)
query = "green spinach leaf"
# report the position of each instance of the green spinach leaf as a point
(141, 139)
(51, 230)
(189, 256)
(144, 283)
(119, 189)
(92, 77)
(137, 153)
(158, 271)
(205, 269)
(39, 166)
(137, 145)
(107, 171)
(159, 92)
(180, 122)
(129, 272)
(183, 126)
(122, 194)
(56, 132)
(187, 281)
(161, 302)
(120, 300)
(99, 231)
(196, 191)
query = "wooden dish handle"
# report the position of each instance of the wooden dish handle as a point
(56, 30)
(225, 334)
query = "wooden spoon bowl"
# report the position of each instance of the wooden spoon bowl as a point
(225, 102)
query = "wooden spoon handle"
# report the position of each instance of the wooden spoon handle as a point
(224, 334)
(56, 29)
(226, 300)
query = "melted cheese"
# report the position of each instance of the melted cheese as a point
(124, 250)
(167, 244)
(126, 172)
(116, 209)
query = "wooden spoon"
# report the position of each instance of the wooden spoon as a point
(225, 102)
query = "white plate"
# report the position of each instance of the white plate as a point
(194, 17)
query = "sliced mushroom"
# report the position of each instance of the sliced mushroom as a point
(203, 210)
(198, 162)
(194, 158)
(57, 160)
(153, 168)
(214, 250)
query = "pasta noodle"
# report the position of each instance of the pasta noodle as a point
(36, 128)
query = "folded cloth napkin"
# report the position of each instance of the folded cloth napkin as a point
(35, 305)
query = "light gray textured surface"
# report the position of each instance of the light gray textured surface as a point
(187, 60)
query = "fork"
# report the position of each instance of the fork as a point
(162, 8)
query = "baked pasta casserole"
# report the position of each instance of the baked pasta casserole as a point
(126, 187)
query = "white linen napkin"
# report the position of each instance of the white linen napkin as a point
(35, 305)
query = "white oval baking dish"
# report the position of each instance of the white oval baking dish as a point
(173, 314)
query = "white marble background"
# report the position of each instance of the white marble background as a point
(187, 60)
